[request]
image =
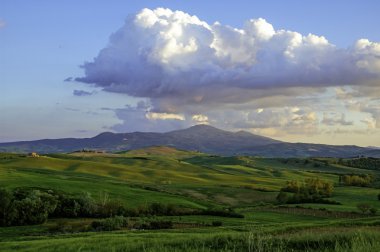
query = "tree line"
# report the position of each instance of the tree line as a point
(28, 206)
(369, 163)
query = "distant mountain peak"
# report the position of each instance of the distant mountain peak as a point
(199, 129)
(203, 126)
(202, 137)
(107, 133)
(243, 133)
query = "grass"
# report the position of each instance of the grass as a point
(308, 239)
(249, 185)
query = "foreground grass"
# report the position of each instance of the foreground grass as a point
(311, 239)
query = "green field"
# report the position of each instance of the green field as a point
(192, 180)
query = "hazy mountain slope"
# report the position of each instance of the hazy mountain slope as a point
(202, 138)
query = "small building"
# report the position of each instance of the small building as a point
(33, 154)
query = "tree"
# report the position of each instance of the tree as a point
(363, 207)
(373, 210)
(87, 205)
(7, 211)
(292, 186)
(309, 191)
(34, 208)
(282, 198)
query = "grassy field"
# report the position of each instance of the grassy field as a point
(248, 185)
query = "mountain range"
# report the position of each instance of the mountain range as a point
(203, 138)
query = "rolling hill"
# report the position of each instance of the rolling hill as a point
(201, 138)
(203, 185)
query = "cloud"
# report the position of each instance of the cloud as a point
(273, 121)
(68, 79)
(334, 120)
(137, 118)
(200, 119)
(257, 77)
(164, 116)
(82, 93)
(366, 105)
(370, 122)
(161, 54)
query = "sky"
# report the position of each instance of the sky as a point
(297, 71)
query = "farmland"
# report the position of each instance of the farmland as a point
(196, 183)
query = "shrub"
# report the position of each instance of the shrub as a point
(373, 210)
(221, 212)
(61, 226)
(363, 207)
(216, 223)
(31, 207)
(282, 197)
(111, 208)
(157, 209)
(7, 210)
(153, 225)
(109, 224)
(161, 224)
(88, 206)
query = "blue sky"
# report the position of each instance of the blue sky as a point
(44, 42)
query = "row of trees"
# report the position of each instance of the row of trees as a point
(25, 206)
(363, 180)
(362, 162)
(312, 190)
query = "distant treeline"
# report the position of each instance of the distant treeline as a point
(368, 163)
(27, 206)
(363, 163)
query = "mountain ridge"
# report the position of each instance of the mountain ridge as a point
(203, 138)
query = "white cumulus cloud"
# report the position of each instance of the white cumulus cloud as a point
(161, 54)
(255, 76)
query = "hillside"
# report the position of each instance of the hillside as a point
(244, 187)
(201, 138)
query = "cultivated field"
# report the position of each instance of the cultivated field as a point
(173, 200)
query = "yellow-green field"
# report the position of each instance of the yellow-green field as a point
(249, 185)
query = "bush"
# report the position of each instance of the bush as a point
(221, 212)
(157, 209)
(153, 225)
(109, 224)
(25, 206)
(61, 227)
(7, 211)
(373, 210)
(282, 197)
(216, 223)
(70, 206)
(161, 224)
(88, 206)
(363, 207)
(111, 208)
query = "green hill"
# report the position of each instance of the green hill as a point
(190, 180)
